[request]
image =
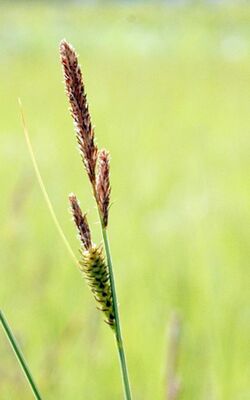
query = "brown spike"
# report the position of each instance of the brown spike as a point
(79, 108)
(81, 222)
(103, 188)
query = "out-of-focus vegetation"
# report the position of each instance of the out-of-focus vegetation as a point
(169, 93)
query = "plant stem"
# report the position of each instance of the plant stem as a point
(43, 188)
(19, 356)
(118, 333)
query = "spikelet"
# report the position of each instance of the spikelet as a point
(103, 188)
(81, 222)
(79, 108)
(96, 273)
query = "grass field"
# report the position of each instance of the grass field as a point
(169, 93)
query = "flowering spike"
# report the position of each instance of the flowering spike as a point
(103, 188)
(96, 273)
(81, 222)
(79, 108)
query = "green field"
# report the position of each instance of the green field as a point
(169, 94)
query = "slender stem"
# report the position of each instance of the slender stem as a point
(43, 188)
(118, 333)
(19, 356)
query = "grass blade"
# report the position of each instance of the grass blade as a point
(19, 356)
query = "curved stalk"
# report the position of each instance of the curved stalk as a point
(43, 188)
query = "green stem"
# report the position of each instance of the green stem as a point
(118, 333)
(19, 356)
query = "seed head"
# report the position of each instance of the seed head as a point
(79, 108)
(103, 188)
(96, 273)
(81, 222)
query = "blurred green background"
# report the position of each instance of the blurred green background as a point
(169, 95)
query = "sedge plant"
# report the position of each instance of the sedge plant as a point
(96, 267)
